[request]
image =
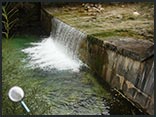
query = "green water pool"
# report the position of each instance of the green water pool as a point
(55, 92)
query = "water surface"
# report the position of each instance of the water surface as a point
(75, 92)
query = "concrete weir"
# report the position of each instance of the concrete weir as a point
(126, 64)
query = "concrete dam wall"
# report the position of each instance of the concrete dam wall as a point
(124, 63)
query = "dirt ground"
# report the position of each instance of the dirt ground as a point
(106, 20)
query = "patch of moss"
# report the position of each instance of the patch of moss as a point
(114, 33)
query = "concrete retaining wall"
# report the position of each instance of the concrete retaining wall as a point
(125, 64)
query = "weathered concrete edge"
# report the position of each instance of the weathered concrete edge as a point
(125, 52)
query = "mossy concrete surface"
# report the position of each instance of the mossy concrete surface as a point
(113, 20)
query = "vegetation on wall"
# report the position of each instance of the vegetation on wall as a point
(20, 18)
(8, 19)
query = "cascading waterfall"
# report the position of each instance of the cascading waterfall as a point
(67, 36)
(59, 51)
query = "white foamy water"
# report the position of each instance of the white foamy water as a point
(48, 54)
(59, 51)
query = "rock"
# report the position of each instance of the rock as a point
(101, 9)
(91, 5)
(136, 14)
(83, 4)
(94, 8)
(119, 16)
(88, 7)
(90, 10)
(122, 6)
(96, 5)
